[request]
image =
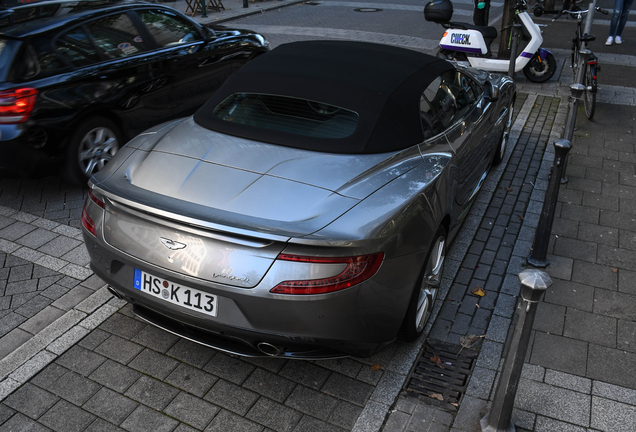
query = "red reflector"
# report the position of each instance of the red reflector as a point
(96, 200)
(358, 269)
(16, 105)
(88, 222)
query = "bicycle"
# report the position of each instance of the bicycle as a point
(582, 37)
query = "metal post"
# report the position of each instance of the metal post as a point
(245, 3)
(576, 91)
(542, 235)
(204, 9)
(533, 284)
(589, 18)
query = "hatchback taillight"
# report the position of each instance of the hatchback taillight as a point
(357, 269)
(16, 105)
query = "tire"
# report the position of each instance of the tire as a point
(91, 147)
(505, 136)
(540, 71)
(589, 96)
(426, 288)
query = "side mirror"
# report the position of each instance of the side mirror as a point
(491, 92)
(208, 34)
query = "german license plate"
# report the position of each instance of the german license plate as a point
(171, 292)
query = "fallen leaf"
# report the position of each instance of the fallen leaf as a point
(455, 404)
(467, 341)
(520, 217)
(614, 270)
(437, 396)
(509, 189)
(376, 367)
(478, 291)
(438, 361)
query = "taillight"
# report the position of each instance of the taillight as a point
(357, 269)
(96, 200)
(16, 105)
(87, 221)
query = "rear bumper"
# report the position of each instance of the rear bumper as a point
(358, 321)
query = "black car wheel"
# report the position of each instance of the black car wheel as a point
(426, 289)
(92, 145)
(505, 136)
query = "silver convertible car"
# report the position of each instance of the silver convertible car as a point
(306, 209)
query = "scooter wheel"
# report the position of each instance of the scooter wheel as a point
(540, 71)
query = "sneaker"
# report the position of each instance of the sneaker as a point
(609, 41)
(618, 40)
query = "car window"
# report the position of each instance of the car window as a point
(446, 100)
(440, 106)
(116, 36)
(168, 29)
(76, 48)
(40, 48)
(287, 114)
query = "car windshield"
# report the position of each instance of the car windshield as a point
(287, 114)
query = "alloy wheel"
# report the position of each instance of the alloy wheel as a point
(430, 282)
(97, 147)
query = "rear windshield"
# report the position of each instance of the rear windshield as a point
(287, 114)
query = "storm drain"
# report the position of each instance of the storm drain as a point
(440, 375)
(367, 10)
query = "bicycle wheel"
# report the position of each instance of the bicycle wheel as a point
(589, 96)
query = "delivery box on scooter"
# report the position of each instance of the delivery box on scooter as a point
(438, 11)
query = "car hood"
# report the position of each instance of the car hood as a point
(202, 174)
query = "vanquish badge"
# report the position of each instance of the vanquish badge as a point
(460, 38)
(171, 244)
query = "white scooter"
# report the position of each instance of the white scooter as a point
(470, 43)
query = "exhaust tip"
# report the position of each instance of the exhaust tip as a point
(269, 349)
(115, 293)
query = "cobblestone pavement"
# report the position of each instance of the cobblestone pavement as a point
(72, 358)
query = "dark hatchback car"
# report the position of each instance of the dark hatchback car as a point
(79, 79)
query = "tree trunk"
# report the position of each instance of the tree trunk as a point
(506, 29)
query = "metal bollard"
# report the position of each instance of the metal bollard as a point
(576, 91)
(245, 4)
(542, 235)
(533, 284)
(204, 9)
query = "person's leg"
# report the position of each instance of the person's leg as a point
(627, 5)
(618, 10)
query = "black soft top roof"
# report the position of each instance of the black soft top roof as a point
(381, 83)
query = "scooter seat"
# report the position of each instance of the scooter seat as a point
(487, 31)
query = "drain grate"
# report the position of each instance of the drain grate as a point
(449, 383)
